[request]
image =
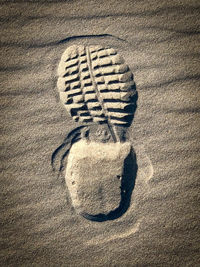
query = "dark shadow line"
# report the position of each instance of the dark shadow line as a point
(146, 13)
(71, 138)
(176, 80)
(49, 44)
(163, 28)
(89, 36)
(75, 139)
(183, 110)
(127, 186)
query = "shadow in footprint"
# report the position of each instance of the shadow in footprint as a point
(127, 186)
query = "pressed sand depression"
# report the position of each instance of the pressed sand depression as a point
(98, 90)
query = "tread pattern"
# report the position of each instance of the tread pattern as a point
(96, 85)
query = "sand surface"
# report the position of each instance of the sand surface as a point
(159, 40)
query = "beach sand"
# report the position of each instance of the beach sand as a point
(159, 40)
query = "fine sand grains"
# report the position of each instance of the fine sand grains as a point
(159, 41)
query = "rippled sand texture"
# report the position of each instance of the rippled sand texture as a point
(159, 41)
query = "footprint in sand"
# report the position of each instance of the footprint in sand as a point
(98, 90)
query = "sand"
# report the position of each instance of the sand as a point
(159, 41)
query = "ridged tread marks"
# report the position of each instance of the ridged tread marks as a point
(96, 85)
